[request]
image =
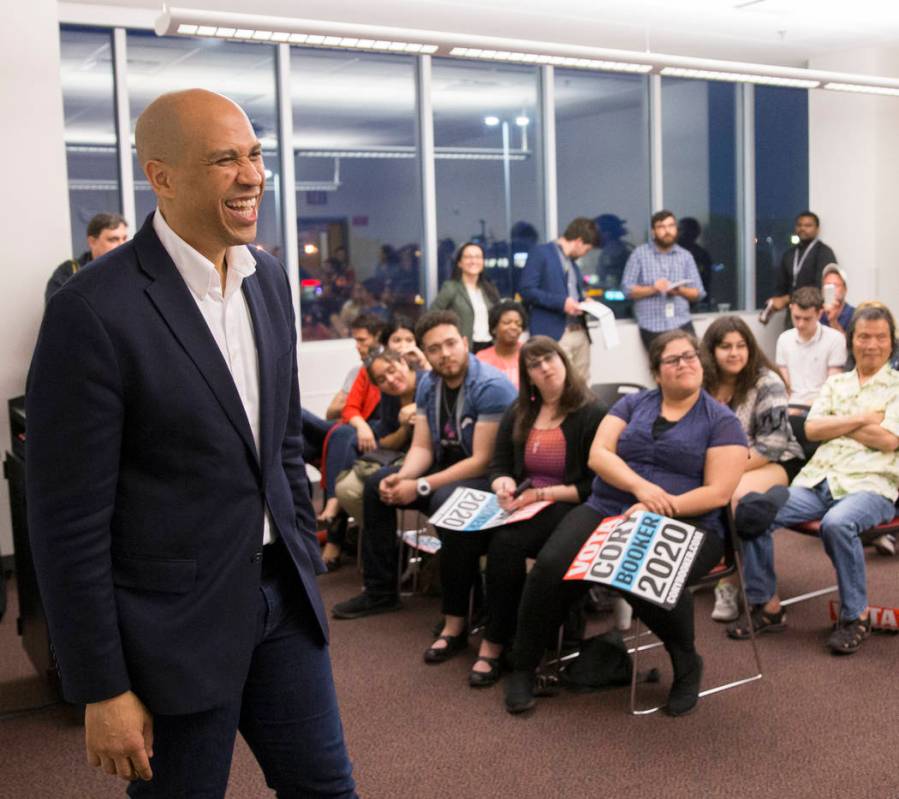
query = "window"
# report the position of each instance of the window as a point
(243, 72)
(699, 165)
(781, 177)
(88, 99)
(487, 164)
(358, 187)
(602, 170)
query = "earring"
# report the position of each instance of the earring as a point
(533, 396)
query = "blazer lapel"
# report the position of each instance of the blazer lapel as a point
(265, 346)
(174, 302)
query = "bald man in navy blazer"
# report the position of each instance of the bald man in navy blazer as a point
(170, 519)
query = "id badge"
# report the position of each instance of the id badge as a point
(669, 310)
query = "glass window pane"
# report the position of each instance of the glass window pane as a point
(487, 163)
(602, 170)
(243, 72)
(699, 158)
(358, 187)
(781, 177)
(88, 100)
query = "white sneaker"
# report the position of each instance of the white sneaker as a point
(727, 602)
(885, 545)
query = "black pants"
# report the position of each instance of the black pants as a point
(510, 547)
(546, 596)
(648, 336)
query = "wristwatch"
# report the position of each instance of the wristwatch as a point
(423, 487)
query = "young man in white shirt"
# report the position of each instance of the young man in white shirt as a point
(808, 353)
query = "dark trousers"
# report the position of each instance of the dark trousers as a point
(380, 548)
(648, 336)
(510, 547)
(314, 431)
(546, 596)
(287, 713)
(341, 455)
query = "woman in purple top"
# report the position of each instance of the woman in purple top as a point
(673, 451)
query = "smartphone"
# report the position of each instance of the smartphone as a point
(830, 294)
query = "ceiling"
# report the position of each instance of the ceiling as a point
(786, 32)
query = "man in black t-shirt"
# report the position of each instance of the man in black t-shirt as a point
(802, 265)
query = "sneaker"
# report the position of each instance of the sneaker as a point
(727, 602)
(365, 605)
(885, 545)
(847, 636)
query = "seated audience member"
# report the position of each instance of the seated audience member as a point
(508, 320)
(837, 312)
(470, 294)
(399, 337)
(739, 375)
(365, 330)
(544, 438)
(458, 408)
(808, 353)
(390, 374)
(674, 451)
(850, 483)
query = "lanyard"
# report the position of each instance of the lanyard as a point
(798, 262)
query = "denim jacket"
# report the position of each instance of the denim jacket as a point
(485, 395)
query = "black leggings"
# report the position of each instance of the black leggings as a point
(547, 597)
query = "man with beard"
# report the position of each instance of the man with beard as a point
(458, 408)
(802, 265)
(662, 279)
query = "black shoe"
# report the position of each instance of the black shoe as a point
(365, 605)
(333, 564)
(484, 679)
(454, 645)
(847, 636)
(520, 691)
(684, 692)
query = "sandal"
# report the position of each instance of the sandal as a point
(484, 679)
(762, 621)
(454, 645)
(847, 636)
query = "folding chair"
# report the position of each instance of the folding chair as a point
(733, 564)
(609, 393)
(413, 538)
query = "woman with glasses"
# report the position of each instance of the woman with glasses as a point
(543, 442)
(739, 375)
(675, 451)
(470, 295)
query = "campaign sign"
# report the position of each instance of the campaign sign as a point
(881, 618)
(469, 510)
(647, 555)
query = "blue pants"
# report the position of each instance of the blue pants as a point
(314, 431)
(342, 454)
(841, 522)
(288, 712)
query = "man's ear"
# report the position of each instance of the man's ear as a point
(465, 339)
(160, 176)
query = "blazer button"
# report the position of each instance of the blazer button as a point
(256, 557)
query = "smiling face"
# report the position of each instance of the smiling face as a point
(732, 354)
(391, 377)
(680, 369)
(509, 328)
(872, 345)
(471, 260)
(205, 165)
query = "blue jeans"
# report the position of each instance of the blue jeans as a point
(314, 431)
(841, 523)
(288, 712)
(341, 455)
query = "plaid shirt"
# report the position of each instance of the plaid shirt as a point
(645, 266)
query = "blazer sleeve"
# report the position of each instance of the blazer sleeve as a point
(445, 298)
(75, 408)
(532, 279)
(503, 462)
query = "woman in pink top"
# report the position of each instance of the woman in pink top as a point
(507, 321)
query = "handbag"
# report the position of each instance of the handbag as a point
(368, 463)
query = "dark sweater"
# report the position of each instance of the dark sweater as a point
(578, 428)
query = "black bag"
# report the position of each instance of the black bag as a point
(603, 662)
(383, 457)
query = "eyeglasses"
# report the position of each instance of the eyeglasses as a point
(536, 363)
(685, 357)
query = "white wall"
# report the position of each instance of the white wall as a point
(34, 225)
(854, 175)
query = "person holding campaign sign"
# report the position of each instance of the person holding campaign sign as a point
(541, 455)
(674, 451)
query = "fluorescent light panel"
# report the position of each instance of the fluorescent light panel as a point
(739, 77)
(857, 87)
(555, 60)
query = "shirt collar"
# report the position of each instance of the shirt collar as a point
(197, 270)
(819, 331)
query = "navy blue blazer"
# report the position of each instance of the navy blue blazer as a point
(544, 289)
(145, 491)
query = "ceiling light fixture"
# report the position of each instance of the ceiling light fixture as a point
(385, 39)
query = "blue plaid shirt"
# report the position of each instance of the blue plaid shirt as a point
(644, 267)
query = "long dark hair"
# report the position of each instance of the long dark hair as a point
(483, 283)
(575, 394)
(756, 363)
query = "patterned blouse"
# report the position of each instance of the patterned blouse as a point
(766, 420)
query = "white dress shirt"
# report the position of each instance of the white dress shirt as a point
(227, 316)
